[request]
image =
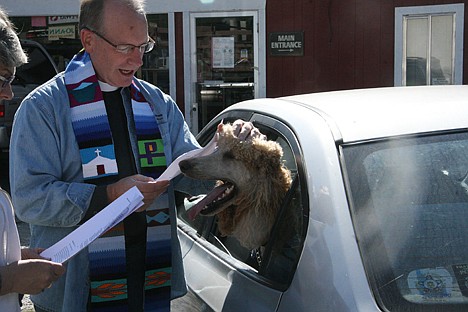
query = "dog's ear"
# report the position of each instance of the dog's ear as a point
(220, 126)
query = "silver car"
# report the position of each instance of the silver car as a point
(381, 192)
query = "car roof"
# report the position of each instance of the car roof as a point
(363, 114)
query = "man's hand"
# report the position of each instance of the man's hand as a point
(29, 276)
(245, 131)
(146, 185)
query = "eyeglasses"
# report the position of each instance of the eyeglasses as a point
(6, 81)
(126, 48)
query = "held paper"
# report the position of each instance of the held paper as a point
(173, 170)
(80, 238)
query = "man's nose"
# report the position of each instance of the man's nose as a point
(136, 57)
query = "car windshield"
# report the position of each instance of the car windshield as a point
(409, 199)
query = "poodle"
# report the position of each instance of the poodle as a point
(251, 183)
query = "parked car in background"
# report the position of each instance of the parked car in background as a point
(40, 68)
(380, 192)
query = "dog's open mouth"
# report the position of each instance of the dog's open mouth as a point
(213, 202)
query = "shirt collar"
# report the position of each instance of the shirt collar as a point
(105, 87)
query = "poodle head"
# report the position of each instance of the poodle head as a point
(251, 182)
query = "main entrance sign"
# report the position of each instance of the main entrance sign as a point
(286, 43)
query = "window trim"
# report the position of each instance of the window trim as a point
(401, 12)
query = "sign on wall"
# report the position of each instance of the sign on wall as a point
(286, 43)
(62, 31)
(65, 19)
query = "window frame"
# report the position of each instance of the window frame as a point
(207, 229)
(457, 58)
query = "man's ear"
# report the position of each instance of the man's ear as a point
(87, 40)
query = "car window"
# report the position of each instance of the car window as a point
(38, 70)
(410, 206)
(278, 259)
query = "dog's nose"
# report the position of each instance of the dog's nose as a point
(185, 165)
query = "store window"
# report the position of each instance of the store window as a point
(155, 67)
(58, 34)
(428, 43)
(60, 37)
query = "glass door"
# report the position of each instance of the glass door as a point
(224, 60)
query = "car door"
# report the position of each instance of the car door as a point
(221, 273)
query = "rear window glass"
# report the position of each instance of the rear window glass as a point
(38, 70)
(410, 209)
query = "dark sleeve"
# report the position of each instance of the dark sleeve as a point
(98, 202)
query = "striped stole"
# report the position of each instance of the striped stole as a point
(94, 137)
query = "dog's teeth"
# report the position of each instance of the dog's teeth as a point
(225, 193)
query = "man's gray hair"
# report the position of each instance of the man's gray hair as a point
(92, 12)
(11, 52)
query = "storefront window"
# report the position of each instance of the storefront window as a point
(155, 67)
(60, 36)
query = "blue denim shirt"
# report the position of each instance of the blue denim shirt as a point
(47, 182)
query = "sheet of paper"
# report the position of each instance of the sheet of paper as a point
(173, 170)
(84, 235)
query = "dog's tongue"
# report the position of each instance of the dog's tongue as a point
(211, 196)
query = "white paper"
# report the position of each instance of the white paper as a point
(223, 52)
(173, 170)
(112, 214)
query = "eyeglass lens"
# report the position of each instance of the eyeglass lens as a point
(6, 81)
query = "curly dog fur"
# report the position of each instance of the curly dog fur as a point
(251, 183)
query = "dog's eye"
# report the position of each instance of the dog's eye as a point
(228, 155)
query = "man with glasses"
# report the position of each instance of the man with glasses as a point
(83, 139)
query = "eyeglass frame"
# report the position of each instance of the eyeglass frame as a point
(125, 48)
(6, 81)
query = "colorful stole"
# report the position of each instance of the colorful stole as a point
(94, 137)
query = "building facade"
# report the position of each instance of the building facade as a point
(213, 53)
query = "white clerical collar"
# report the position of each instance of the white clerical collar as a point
(105, 87)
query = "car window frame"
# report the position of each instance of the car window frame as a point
(207, 228)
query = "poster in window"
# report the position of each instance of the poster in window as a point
(223, 52)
